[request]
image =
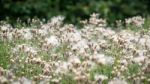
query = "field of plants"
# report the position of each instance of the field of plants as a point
(58, 53)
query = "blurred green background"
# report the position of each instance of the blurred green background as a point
(73, 10)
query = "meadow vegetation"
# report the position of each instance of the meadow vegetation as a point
(59, 53)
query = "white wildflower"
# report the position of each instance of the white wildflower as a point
(4, 28)
(75, 37)
(142, 41)
(53, 40)
(81, 45)
(139, 59)
(74, 60)
(101, 58)
(137, 21)
(15, 82)
(28, 36)
(57, 20)
(26, 33)
(94, 20)
(25, 81)
(42, 32)
(148, 43)
(98, 77)
(124, 62)
(62, 67)
(9, 36)
(117, 81)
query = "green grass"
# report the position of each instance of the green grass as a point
(67, 79)
(5, 54)
(102, 70)
(61, 50)
(25, 70)
(133, 69)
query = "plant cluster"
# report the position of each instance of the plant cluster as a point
(63, 54)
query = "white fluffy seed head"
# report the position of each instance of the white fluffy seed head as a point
(52, 40)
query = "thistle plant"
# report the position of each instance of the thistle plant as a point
(60, 53)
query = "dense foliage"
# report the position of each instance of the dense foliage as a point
(74, 10)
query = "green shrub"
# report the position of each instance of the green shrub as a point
(74, 10)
